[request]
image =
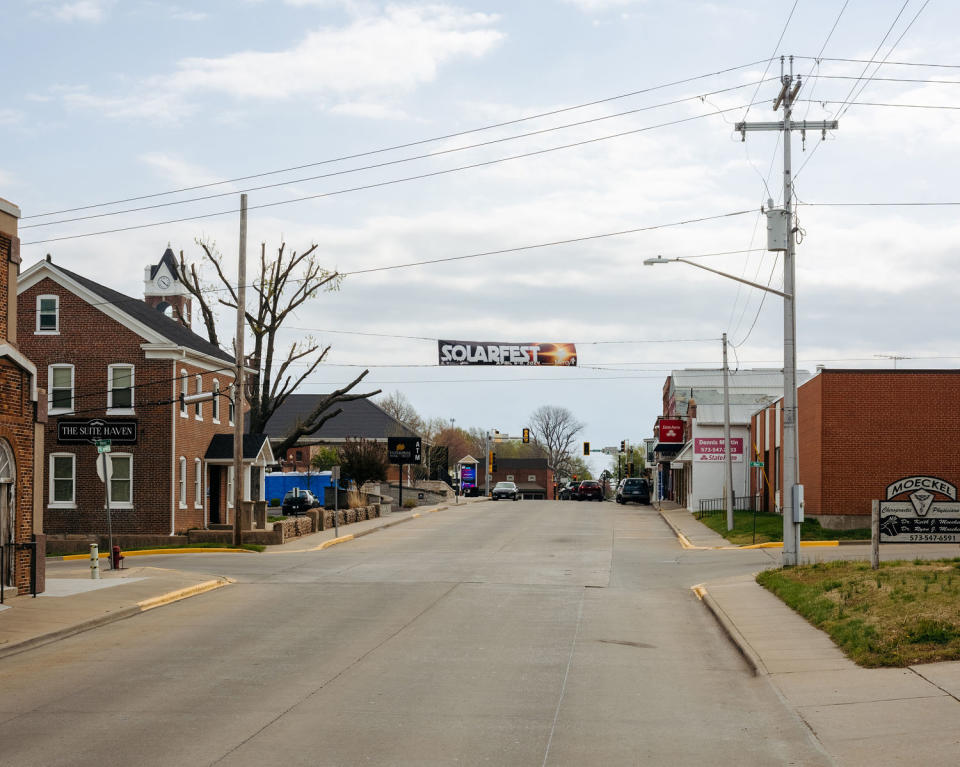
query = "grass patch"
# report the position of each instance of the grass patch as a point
(770, 528)
(275, 519)
(901, 614)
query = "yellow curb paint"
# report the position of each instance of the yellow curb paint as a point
(332, 542)
(189, 591)
(414, 516)
(699, 590)
(152, 552)
(779, 544)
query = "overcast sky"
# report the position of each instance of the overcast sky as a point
(112, 99)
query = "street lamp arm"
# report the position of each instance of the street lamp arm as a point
(767, 288)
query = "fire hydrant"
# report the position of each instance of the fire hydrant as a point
(115, 558)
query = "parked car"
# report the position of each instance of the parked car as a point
(590, 490)
(505, 490)
(297, 501)
(633, 489)
(567, 491)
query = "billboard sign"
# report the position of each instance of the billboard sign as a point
(403, 449)
(468, 476)
(929, 513)
(671, 431)
(495, 353)
(707, 449)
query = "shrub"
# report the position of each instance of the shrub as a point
(410, 503)
(275, 502)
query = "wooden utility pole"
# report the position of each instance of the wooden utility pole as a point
(239, 394)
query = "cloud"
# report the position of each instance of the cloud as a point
(178, 172)
(368, 109)
(10, 116)
(370, 59)
(82, 10)
(592, 6)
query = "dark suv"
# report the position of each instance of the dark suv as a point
(633, 489)
(590, 490)
(296, 502)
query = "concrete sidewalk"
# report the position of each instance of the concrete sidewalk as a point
(890, 716)
(73, 602)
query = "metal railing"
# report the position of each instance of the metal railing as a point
(7, 554)
(710, 507)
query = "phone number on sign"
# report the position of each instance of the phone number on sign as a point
(932, 538)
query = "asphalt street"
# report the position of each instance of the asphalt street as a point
(529, 633)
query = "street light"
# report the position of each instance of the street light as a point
(792, 520)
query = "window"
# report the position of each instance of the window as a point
(183, 482)
(509, 477)
(197, 484)
(215, 405)
(63, 480)
(531, 477)
(121, 481)
(48, 314)
(183, 393)
(60, 380)
(120, 387)
(230, 487)
(233, 402)
(198, 406)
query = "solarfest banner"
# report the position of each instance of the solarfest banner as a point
(496, 353)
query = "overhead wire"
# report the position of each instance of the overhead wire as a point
(405, 145)
(389, 182)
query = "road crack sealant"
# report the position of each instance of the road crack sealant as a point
(339, 674)
(566, 674)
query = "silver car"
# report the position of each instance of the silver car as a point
(505, 490)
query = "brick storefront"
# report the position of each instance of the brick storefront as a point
(859, 430)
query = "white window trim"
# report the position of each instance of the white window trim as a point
(215, 406)
(197, 484)
(71, 504)
(509, 477)
(51, 410)
(56, 330)
(122, 504)
(198, 406)
(111, 410)
(182, 483)
(531, 477)
(232, 404)
(230, 473)
(184, 411)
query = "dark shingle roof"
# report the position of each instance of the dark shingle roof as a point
(221, 446)
(171, 262)
(360, 418)
(535, 464)
(156, 320)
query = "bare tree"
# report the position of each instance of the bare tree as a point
(283, 285)
(554, 429)
(397, 405)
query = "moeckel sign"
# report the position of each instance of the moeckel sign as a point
(403, 449)
(929, 514)
(75, 432)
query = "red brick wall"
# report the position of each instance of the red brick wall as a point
(810, 438)
(90, 340)
(16, 427)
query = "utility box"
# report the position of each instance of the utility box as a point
(776, 228)
(798, 504)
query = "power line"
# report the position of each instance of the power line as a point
(406, 145)
(888, 63)
(387, 163)
(389, 182)
(772, 57)
(883, 104)
(436, 339)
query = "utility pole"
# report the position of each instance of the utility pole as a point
(789, 88)
(239, 395)
(727, 462)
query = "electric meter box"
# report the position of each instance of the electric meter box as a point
(776, 229)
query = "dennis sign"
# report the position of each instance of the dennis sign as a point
(920, 509)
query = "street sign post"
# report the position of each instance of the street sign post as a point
(756, 464)
(105, 472)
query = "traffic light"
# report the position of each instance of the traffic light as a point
(630, 469)
(493, 461)
(623, 446)
(586, 448)
(490, 459)
(526, 436)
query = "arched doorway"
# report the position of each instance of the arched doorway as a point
(8, 514)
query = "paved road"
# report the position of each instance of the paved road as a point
(529, 633)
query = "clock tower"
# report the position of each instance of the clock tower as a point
(164, 290)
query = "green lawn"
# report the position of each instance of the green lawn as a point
(769, 527)
(901, 614)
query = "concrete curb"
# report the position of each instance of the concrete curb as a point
(732, 632)
(155, 552)
(112, 617)
(684, 541)
(368, 531)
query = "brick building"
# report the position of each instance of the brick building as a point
(858, 431)
(120, 361)
(21, 428)
(531, 475)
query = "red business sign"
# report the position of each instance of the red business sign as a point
(671, 430)
(711, 449)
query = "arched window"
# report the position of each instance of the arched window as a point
(183, 482)
(216, 401)
(183, 391)
(197, 483)
(198, 406)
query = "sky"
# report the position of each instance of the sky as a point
(624, 112)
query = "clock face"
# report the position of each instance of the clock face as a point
(164, 282)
